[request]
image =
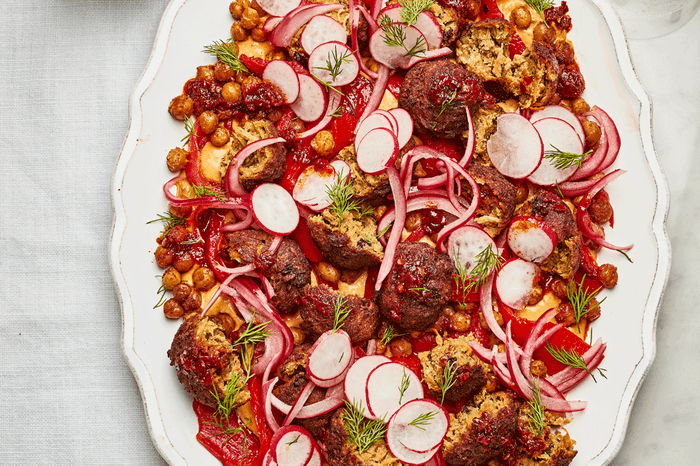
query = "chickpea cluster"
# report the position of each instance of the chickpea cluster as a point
(250, 20)
(186, 298)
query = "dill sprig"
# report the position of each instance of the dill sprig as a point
(201, 191)
(580, 299)
(539, 6)
(328, 86)
(423, 420)
(389, 334)
(341, 311)
(394, 35)
(448, 379)
(405, 383)
(361, 432)
(169, 220)
(340, 194)
(562, 160)
(253, 333)
(411, 9)
(161, 291)
(189, 127)
(573, 359)
(536, 414)
(447, 103)
(486, 261)
(334, 62)
(226, 53)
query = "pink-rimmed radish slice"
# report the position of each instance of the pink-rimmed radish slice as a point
(312, 99)
(377, 151)
(426, 24)
(531, 239)
(515, 282)
(356, 379)
(405, 125)
(320, 30)
(373, 120)
(389, 386)
(392, 119)
(466, 243)
(270, 23)
(608, 126)
(274, 209)
(311, 188)
(407, 456)
(315, 458)
(282, 75)
(563, 113)
(334, 63)
(419, 425)
(555, 134)
(285, 30)
(394, 56)
(292, 446)
(329, 358)
(278, 7)
(515, 149)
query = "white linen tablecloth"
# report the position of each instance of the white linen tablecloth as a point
(67, 68)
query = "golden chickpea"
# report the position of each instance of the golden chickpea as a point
(608, 275)
(177, 159)
(231, 92)
(244, 3)
(413, 221)
(193, 301)
(297, 126)
(379, 212)
(241, 76)
(535, 296)
(181, 107)
(579, 106)
(559, 288)
(592, 132)
(298, 335)
(542, 33)
(538, 368)
(459, 322)
(522, 193)
(274, 115)
(256, 6)
(249, 19)
(565, 314)
(323, 143)
(249, 83)
(236, 10)
(566, 103)
(258, 34)
(172, 309)
(223, 72)
(203, 279)
(171, 278)
(181, 292)
(164, 258)
(328, 272)
(220, 137)
(401, 347)
(205, 72)
(521, 17)
(238, 32)
(208, 121)
(183, 262)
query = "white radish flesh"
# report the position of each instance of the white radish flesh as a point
(467, 242)
(312, 100)
(292, 446)
(377, 151)
(282, 75)
(373, 120)
(388, 387)
(274, 209)
(426, 24)
(320, 30)
(555, 134)
(407, 456)
(334, 63)
(531, 239)
(311, 188)
(330, 356)
(278, 7)
(563, 113)
(515, 149)
(356, 379)
(405, 123)
(394, 56)
(515, 282)
(419, 425)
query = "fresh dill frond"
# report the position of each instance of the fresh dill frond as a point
(328, 86)
(340, 194)
(624, 253)
(226, 405)
(419, 290)
(423, 420)
(394, 35)
(389, 334)
(161, 291)
(334, 62)
(558, 189)
(447, 103)
(338, 112)
(253, 333)
(405, 383)
(169, 220)
(448, 379)
(572, 359)
(485, 262)
(227, 53)
(296, 439)
(562, 160)
(580, 299)
(411, 9)
(536, 414)
(192, 241)
(201, 191)
(341, 311)
(361, 432)
(539, 6)
(384, 231)
(189, 127)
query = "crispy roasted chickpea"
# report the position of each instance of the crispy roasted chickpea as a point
(298, 335)
(607, 274)
(181, 292)
(256, 6)
(250, 83)
(220, 137)
(592, 132)
(579, 106)
(323, 143)
(163, 257)
(522, 193)
(297, 126)
(592, 311)
(600, 210)
(559, 288)
(328, 272)
(223, 72)
(401, 347)
(379, 212)
(538, 369)
(258, 34)
(241, 76)
(231, 92)
(193, 301)
(249, 19)
(566, 103)
(205, 72)
(542, 33)
(535, 296)
(203, 279)
(183, 262)
(177, 159)
(236, 9)
(172, 309)
(459, 322)
(208, 121)
(238, 32)
(181, 107)
(381, 347)
(565, 314)
(413, 221)
(171, 278)
(521, 17)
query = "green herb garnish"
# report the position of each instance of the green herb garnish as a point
(580, 298)
(405, 383)
(189, 127)
(389, 334)
(253, 333)
(334, 62)
(536, 414)
(411, 9)
(361, 432)
(201, 191)
(485, 262)
(572, 359)
(562, 160)
(448, 379)
(423, 420)
(161, 291)
(539, 6)
(340, 194)
(394, 35)
(341, 310)
(169, 220)
(227, 54)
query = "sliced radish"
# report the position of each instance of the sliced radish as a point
(394, 56)
(407, 456)
(555, 134)
(563, 113)
(515, 281)
(270, 23)
(312, 100)
(389, 386)
(377, 151)
(356, 379)
(608, 126)
(467, 242)
(278, 7)
(334, 63)
(515, 149)
(392, 119)
(292, 446)
(373, 120)
(282, 75)
(285, 30)
(274, 209)
(311, 188)
(531, 239)
(405, 123)
(320, 30)
(426, 24)
(329, 358)
(315, 458)
(419, 425)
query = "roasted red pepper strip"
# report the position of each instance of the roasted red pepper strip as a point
(489, 9)
(411, 362)
(562, 339)
(517, 47)
(256, 404)
(209, 227)
(193, 168)
(238, 447)
(477, 330)
(303, 238)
